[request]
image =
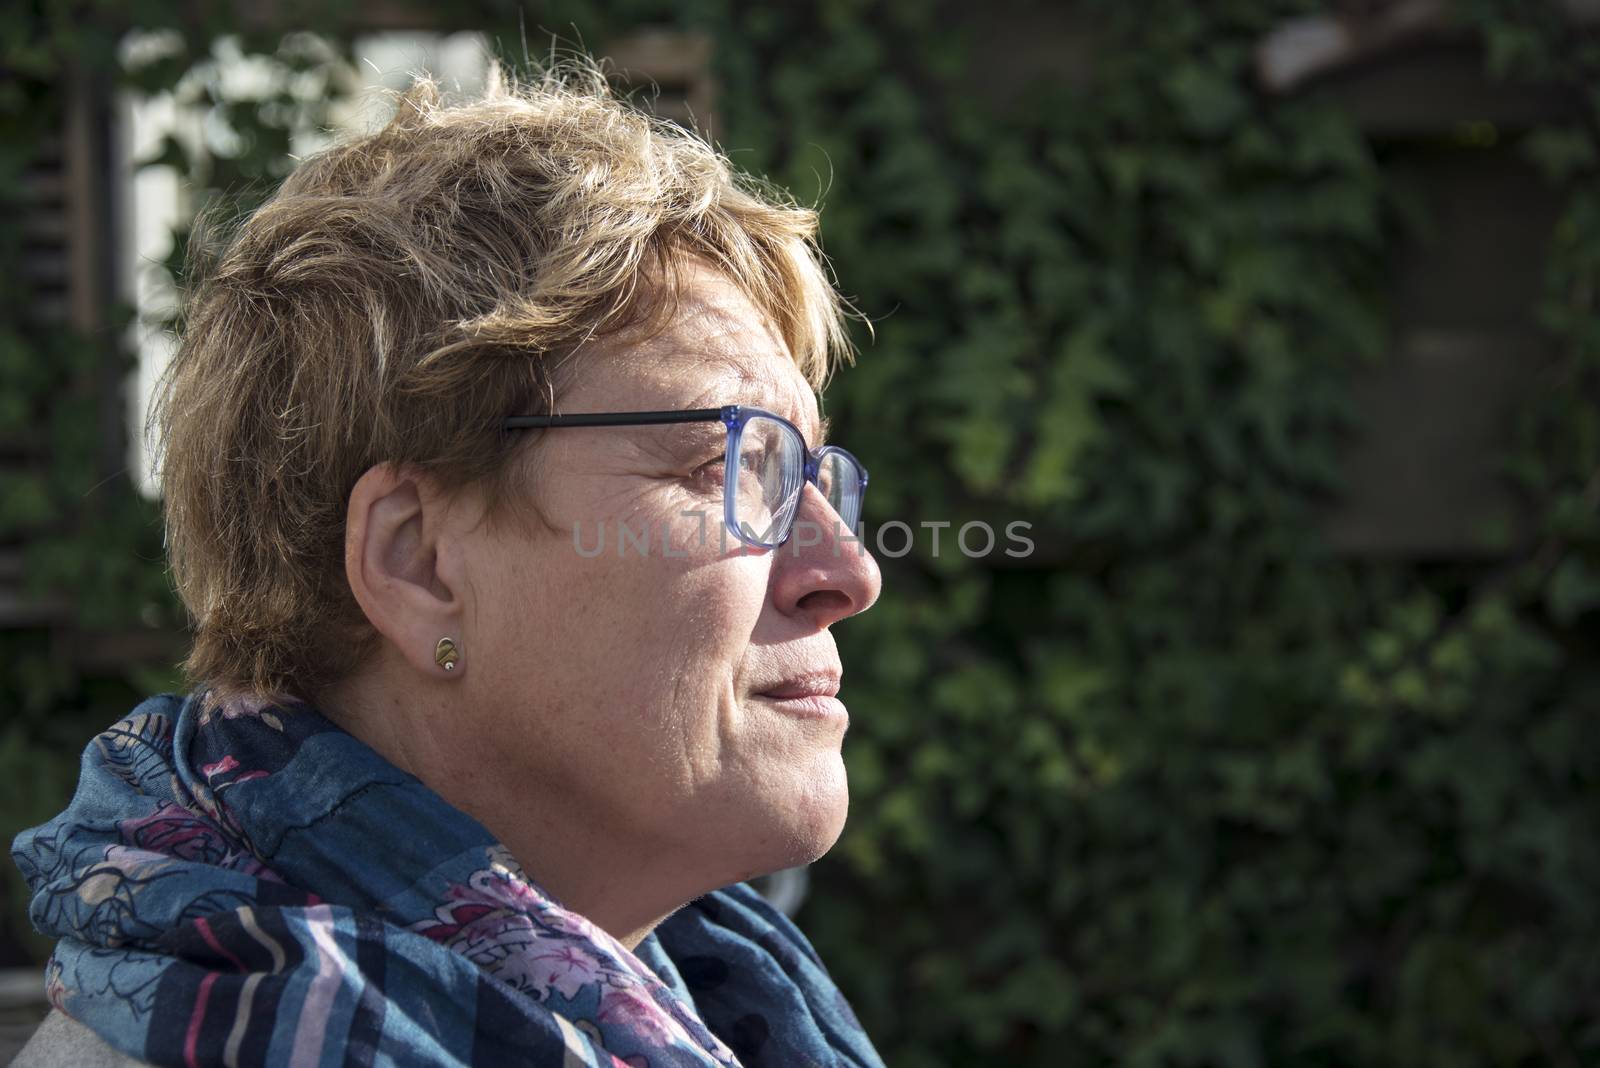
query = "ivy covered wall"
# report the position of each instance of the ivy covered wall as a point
(1184, 786)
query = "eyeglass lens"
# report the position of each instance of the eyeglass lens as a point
(840, 482)
(770, 475)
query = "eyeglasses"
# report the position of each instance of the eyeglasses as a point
(769, 464)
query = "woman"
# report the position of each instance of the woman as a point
(455, 785)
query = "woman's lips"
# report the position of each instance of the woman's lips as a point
(808, 697)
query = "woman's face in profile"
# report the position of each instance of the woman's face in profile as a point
(653, 694)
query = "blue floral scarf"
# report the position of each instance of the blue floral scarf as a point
(254, 886)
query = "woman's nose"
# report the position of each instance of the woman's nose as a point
(824, 570)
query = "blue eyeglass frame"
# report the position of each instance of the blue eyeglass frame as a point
(732, 416)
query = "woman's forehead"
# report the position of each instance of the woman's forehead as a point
(717, 349)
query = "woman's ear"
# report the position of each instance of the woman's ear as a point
(399, 561)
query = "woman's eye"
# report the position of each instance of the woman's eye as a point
(753, 460)
(711, 472)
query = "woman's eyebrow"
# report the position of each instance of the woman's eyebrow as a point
(737, 384)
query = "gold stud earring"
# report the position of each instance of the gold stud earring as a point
(445, 655)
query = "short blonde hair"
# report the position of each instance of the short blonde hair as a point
(398, 296)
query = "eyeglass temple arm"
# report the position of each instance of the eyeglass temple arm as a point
(693, 415)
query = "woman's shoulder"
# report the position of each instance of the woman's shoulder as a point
(62, 1042)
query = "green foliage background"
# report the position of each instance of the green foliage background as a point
(1183, 787)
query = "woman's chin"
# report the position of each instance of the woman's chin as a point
(789, 816)
(815, 814)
